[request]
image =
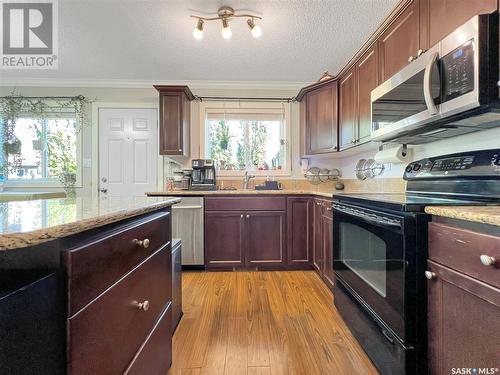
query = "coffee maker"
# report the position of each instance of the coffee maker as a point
(203, 177)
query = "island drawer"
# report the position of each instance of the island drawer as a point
(240, 203)
(465, 251)
(97, 264)
(155, 355)
(105, 336)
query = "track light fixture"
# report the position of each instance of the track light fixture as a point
(224, 14)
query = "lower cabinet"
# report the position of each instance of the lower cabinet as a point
(299, 223)
(322, 259)
(245, 239)
(463, 299)
(265, 238)
(224, 245)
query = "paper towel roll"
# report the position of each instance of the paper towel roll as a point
(393, 155)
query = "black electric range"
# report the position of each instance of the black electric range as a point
(380, 254)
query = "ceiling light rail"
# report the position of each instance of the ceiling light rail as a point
(224, 14)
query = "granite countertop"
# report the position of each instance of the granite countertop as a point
(244, 192)
(28, 223)
(479, 214)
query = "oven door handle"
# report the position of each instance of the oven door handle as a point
(368, 218)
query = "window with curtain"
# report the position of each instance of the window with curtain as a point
(40, 142)
(247, 139)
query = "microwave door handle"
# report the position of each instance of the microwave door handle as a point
(429, 100)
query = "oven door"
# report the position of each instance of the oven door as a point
(369, 257)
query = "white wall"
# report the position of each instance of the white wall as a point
(481, 140)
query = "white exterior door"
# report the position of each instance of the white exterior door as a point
(128, 151)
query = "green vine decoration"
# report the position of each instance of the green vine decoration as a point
(15, 106)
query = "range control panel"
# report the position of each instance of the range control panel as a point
(467, 164)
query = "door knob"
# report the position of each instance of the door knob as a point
(487, 260)
(144, 306)
(103, 190)
(104, 179)
(144, 243)
(430, 275)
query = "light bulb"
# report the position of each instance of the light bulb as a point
(198, 30)
(256, 32)
(226, 30)
(254, 29)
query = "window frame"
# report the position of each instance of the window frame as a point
(249, 107)
(52, 182)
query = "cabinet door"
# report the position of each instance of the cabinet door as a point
(366, 81)
(299, 221)
(399, 42)
(265, 234)
(327, 236)
(317, 258)
(446, 15)
(171, 134)
(463, 322)
(347, 110)
(321, 119)
(224, 239)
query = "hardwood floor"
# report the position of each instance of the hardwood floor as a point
(262, 323)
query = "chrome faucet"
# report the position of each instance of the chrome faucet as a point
(246, 179)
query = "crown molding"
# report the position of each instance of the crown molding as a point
(120, 83)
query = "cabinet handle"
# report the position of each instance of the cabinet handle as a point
(248, 216)
(144, 306)
(144, 243)
(487, 260)
(430, 275)
(420, 52)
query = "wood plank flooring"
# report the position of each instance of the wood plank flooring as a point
(262, 323)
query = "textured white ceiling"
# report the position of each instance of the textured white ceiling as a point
(151, 40)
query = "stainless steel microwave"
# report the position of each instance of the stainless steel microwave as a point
(450, 89)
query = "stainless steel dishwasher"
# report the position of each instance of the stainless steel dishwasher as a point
(187, 224)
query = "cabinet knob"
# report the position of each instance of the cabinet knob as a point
(248, 216)
(430, 275)
(318, 204)
(144, 306)
(241, 216)
(329, 208)
(144, 243)
(180, 150)
(487, 260)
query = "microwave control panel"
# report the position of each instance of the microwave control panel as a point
(477, 163)
(457, 71)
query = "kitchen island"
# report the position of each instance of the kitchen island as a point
(75, 286)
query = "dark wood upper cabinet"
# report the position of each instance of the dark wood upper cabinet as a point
(444, 16)
(299, 222)
(367, 79)
(175, 117)
(321, 119)
(400, 41)
(347, 109)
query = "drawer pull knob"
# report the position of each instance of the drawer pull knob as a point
(248, 216)
(486, 260)
(144, 243)
(430, 275)
(144, 306)
(329, 208)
